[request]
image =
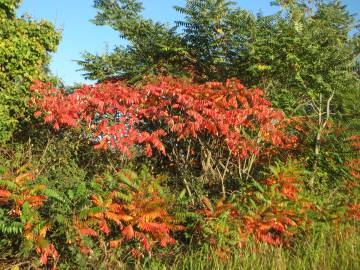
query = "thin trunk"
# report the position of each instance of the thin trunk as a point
(322, 125)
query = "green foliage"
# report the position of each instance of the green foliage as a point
(24, 52)
(153, 47)
(7, 7)
(325, 248)
(305, 50)
(66, 205)
(214, 32)
(308, 52)
(304, 57)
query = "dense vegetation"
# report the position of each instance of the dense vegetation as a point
(229, 141)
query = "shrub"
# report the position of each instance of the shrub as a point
(128, 212)
(215, 129)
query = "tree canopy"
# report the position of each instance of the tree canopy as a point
(306, 49)
(25, 47)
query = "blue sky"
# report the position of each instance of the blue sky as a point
(79, 34)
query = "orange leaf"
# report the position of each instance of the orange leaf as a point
(104, 227)
(288, 221)
(4, 193)
(136, 253)
(145, 243)
(43, 230)
(153, 227)
(44, 258)
(37, 114)
(128, 232)
(207, 203)
(118, 217)
(37, 200)
(96, 200)
(88, 231)
(154, 214)
(115, 243)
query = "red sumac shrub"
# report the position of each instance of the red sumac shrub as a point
(133, 213)
(20, 202)
(122, 117)
(354, 184)
(280, 209)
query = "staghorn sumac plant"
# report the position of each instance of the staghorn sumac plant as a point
(218, 226)
(275, 212)
(279, 210)
(217, 127)
(134, 214)
(354, 185)
(127, 212)
(108, 113)
(354, 163)
(21, 198)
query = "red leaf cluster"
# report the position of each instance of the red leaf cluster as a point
(142, 218)
(122, 117)
(353, 210)
(286, 184)
(272, 228)
(354, 163)
(14, 196)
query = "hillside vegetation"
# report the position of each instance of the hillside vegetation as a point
(228, 140)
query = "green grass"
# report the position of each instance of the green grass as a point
(324, 249)
(328, 249)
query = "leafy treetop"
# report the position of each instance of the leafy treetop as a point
(25, 46)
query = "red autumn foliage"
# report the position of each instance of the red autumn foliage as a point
(47, 251)
(124, 116)
(276, 222)
(14, 193)
(271, 228)
(287, 185)
(354, 167)
(284, 213)
(354, 163)
(354, 211)
(142, 218)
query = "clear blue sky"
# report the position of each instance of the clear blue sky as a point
(79, 34)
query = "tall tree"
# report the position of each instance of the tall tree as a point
(153, 47)
(294, 52)
(215, 32)
(24, 56)
(306, 49)
(307, 52)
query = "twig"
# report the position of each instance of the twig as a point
(18, 264)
